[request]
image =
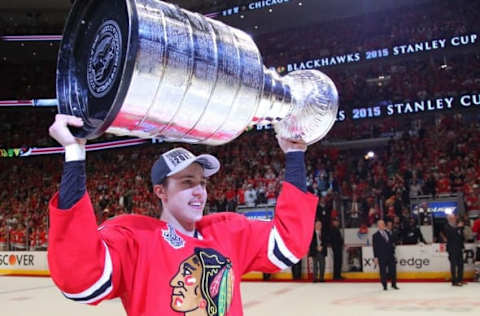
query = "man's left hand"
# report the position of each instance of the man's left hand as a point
(288, 145)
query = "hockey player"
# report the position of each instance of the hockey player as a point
(185, 263)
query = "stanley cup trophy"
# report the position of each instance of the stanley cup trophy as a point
(149, 69)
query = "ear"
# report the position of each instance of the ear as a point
(160, 191)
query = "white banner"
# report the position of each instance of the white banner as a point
(355, 237)
(24, 262)
(399, 50)
(420, 258)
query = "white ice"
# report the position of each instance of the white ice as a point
(25, 296)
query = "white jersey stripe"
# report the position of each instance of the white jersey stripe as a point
(282, 247)
(271, 256)
(99, 297)
(106, 277)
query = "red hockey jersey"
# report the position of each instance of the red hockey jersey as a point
(156, 270)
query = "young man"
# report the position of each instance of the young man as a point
(184, 263)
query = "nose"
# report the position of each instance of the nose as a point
(198, 190)
(176, 281)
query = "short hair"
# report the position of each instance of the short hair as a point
(160, 204)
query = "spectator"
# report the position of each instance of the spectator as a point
(354, 215)
(18, 237)
(412, 234)
(453, 234)
(467, 230)
(336, 242)
(394, 233)
(250, 196)
(3, 238)
(476, 228)
(318, 252)
(384, 254)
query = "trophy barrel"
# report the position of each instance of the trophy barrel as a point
(150, 69)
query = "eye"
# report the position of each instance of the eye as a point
(186, 271)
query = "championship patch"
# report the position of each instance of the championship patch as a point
(203, 284)
(170, 235)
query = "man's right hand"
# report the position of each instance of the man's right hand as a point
(60, 132)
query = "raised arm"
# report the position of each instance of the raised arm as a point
(73, 185)
(276, 245)
(84, 262)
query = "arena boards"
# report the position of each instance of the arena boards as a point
(416, 263)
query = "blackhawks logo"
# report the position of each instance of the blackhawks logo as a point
(203, 284)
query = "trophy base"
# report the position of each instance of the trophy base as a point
(93, 63)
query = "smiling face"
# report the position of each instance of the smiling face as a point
(186, 292)
(183, 197)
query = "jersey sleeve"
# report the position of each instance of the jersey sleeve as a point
(276, 245)
(88, 264)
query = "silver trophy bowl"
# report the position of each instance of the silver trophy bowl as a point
(149, 69)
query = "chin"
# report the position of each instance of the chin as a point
(193, 216)
(197, 211)
(197, 217)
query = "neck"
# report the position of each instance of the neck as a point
(185, 228)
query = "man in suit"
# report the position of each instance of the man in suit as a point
(412, 234)
(454, 235)
(384, 253)
(318, 252)
(336, 240)
(394, 232)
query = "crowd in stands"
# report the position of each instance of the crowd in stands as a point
(35, 80)
(432, 158)
(36, 21)
(375, 30)
(360, 86)
(414, 79)
(410, 78)
(31, 22)
(27, 127)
